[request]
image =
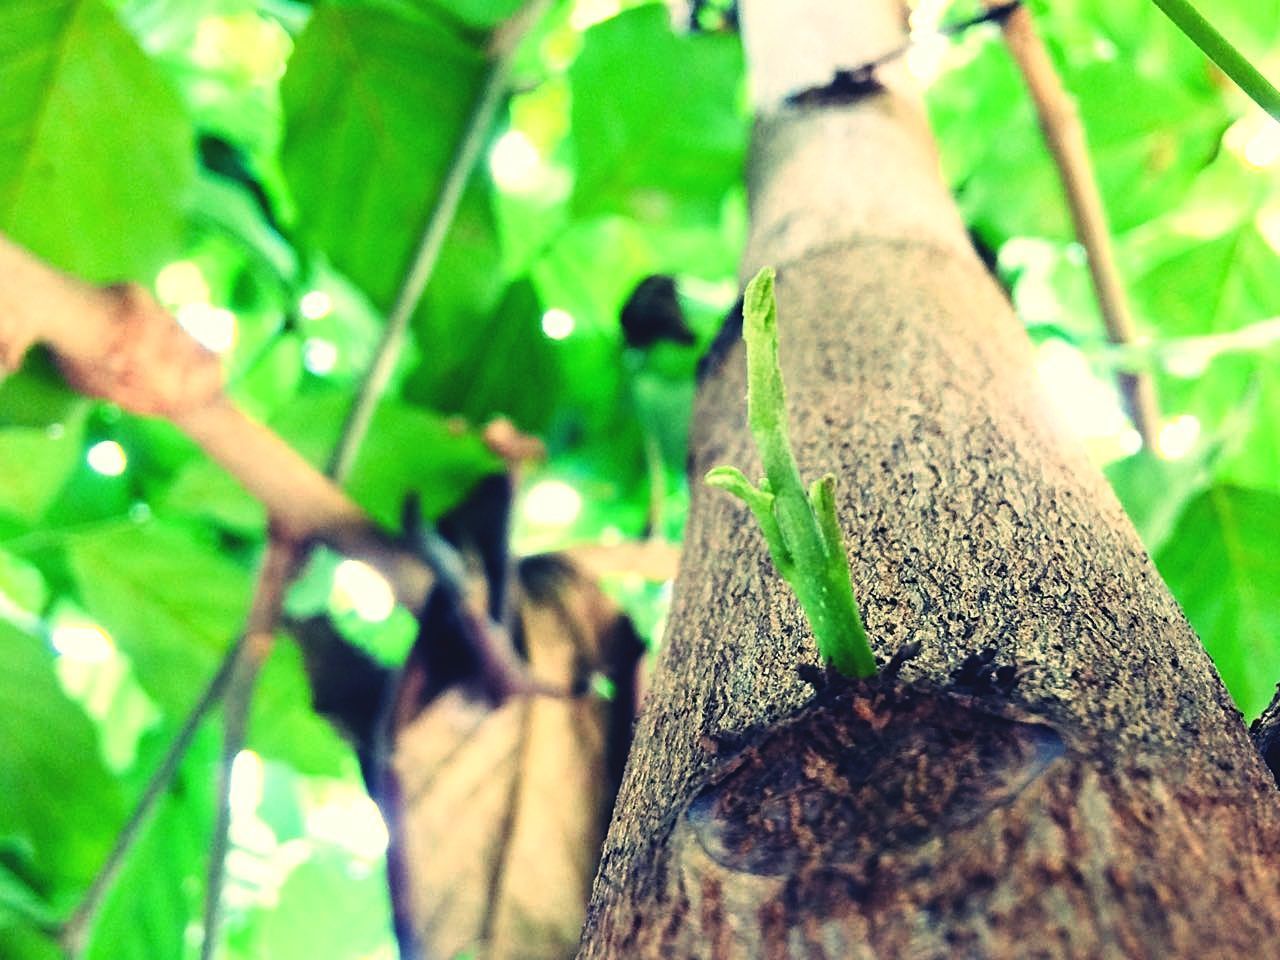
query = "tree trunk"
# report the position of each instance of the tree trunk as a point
(1102, 799)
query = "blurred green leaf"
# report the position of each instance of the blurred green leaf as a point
(502, 366)
(26, 943)
(20, 904)
(38, 461)
(1155, 492)
(55, 793)
(1223, 566)
(172, 601)
(658, 125)
(204, 490)
(1206, 265)
(21, 584)
(1256, 460)
(91, 130)
(158, 897)
(282, 724)
(408, 449)
(479, 13)
(376, 100)
(296, 930)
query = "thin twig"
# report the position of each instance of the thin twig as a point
(492, 94)
(278, 566)
(1060, 122)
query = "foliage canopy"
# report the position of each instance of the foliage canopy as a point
(267, 166)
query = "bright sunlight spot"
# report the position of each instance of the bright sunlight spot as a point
(588, 12)
(1178, 437)
(248, 775)
(256, 47)
(1268, 223)
(1088, 406)
(107, 458)
(82, 641)
(362, 589)
(1255, 138)
(319, 356)
(213, 327)
(315, 304)
(557, 324)
(1263, 148)
(515, 162)
(552, 503)
(350, 820)
(182, 282)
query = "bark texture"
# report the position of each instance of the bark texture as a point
(1099, 799)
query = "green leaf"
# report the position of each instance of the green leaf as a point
(1210, 286)
(657, 121)
(1223, 566)
(502, 365)
(172, 602)
(480, 13)
(157, 897)
(295, 930)
(89, 129)
(375, 104)
(27, 943)
(1154, 492)
(55, 793)
(282, 724)
(408, 449)
(204, 490)
(1256, 461)
(1149, 134)
(19, 903)
(38, 461)
(21, 584)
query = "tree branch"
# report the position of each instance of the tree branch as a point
(118, 344)
(1064, 135)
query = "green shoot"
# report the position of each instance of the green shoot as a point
(800, 528)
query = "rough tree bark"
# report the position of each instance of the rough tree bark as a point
(1104, 801)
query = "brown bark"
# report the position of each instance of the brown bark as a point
(1105, 801)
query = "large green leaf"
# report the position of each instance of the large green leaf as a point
(55, 794)
(37, 462)
(283, 725)
(479, 13)
(95, 151)
(1223, 566)
(1256, 462)
(157, 897)
(1212, 285)
(1148, 133)
(408, 449)
(503, 365)
(376, 101)
(657, 124)
(171, 600)
(296, 930)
